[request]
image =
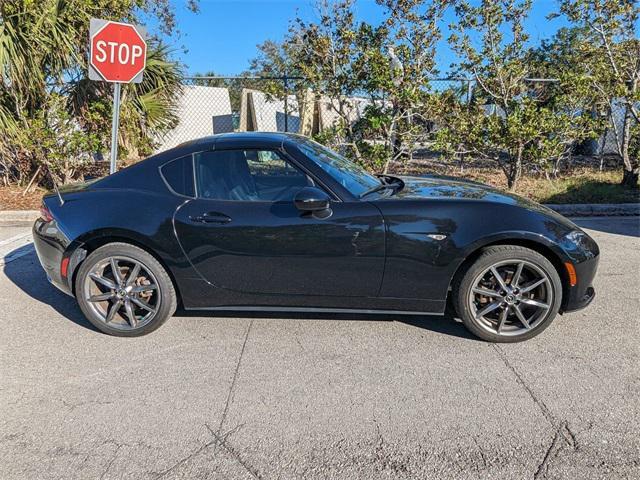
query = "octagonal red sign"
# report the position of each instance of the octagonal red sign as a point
(118, 52)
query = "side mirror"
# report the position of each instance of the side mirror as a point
(312, 199)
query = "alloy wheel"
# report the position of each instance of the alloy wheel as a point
(122, 292)
(511, 297)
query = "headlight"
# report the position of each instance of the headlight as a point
(577, 236)
(579, 240)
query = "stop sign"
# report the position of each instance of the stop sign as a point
(118, 52)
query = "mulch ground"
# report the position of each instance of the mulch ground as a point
(12, 198)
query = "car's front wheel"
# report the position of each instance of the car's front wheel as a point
(509, 294)
(124, 291)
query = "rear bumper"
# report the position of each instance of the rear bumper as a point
(51, 245)
(583, 293)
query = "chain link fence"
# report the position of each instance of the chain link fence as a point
(211, 105)
(208, 105)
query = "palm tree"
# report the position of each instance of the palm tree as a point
(147, 109)
(43, 56)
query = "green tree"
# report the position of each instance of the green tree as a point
(274, 62)
(324, 53)
(400, 60)
(609, 59)
(512, 120)
(374, 77)
(568, 91)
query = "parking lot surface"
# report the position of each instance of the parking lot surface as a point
(308, 396)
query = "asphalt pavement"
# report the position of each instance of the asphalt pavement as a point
(319, 396)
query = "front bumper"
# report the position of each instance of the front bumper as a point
(583, 293)
(51, 246)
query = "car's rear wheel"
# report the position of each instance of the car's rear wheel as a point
(124, 291)
(509, 294)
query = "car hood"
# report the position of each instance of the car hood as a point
(445, 187)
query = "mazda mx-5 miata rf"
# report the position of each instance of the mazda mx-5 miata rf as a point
(277, 222)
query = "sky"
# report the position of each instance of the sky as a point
(223, 36)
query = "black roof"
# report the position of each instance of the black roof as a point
(239, 140)
(248, 139)
(234, 140)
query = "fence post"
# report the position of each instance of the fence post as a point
(286, 103)
(469, 95)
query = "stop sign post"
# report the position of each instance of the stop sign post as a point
(117, 54)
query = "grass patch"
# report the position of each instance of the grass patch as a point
(579, 185)
(586, 186)
(589, 188)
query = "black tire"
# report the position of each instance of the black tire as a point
(162, 298)
(490, 256)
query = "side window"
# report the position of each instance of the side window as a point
(179, 175)
(264, 163)
(247, 175)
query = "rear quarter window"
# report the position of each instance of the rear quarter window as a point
(178, 174)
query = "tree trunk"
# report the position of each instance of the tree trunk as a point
(515, 169)
(630, 178)
(351, 139)
(356, 151)
(385, 170)
(631, 167)
(601, 149)
(395, 143)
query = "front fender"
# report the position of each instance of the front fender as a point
(516, 237)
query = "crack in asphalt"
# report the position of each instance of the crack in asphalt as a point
(222, 441)
(234, 379)
(184, 460)
(538, 401)
(216, 435)
(543, 467)
(482, 456)
(72, 406)
(217, 440)
(114, 456)
(561, 428)
(113, 459)
(562, 433)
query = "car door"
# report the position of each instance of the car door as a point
(244, 233)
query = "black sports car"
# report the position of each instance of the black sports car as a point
(269, 221)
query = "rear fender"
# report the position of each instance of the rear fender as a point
(81, 247)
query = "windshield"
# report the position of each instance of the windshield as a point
(349, 174)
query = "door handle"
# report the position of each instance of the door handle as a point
(211, 217)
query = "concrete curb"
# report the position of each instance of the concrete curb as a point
(18, 216)
(597, 210)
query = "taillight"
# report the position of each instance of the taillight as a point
(45, 214)
(64, 266)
